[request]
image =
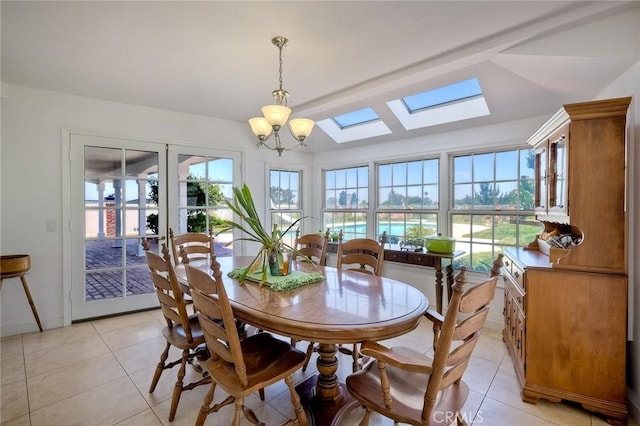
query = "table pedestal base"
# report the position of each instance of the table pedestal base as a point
(319, 412)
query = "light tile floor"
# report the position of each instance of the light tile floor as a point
(98, 373)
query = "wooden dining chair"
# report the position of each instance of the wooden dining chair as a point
(182, 330)
(313, 246)
(240, 367)
(366, 253)
(410, 387)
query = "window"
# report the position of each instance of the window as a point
(346, 201)
(455, 102)
(492, 204)
(355, 118)
(408, 201)
(443, 95)
(355, 125)
(285, 203)
(204, 183)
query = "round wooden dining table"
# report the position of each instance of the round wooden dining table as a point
(346, 307)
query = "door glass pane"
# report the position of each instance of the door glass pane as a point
(204, 185)
(116, 216)
(104, 285)
(100, 161)
(138, 163)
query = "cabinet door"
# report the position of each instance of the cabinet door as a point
(521, 336)
(558, 149)
(541, 171)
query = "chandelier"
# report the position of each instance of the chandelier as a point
(276, 116)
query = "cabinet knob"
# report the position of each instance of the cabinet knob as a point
(519, 299)
(516, 274)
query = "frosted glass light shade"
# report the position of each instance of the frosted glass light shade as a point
(301, 128)
(276, 115)
(260, 127)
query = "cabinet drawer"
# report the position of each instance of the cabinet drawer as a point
(515, 291)
(517, 274)
(396, 256)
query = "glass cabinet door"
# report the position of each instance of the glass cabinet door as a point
(558, 167)
(541, 173)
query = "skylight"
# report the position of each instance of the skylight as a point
(455, 102)
(443, 95)
(354, 118)
(355, 125)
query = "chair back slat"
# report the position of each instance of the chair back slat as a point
(462, 352)
(469, 325)
(477, 297)
(216, 318)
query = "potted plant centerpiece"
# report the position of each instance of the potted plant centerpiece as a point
(271, 257)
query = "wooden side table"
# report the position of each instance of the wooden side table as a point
(17, 265)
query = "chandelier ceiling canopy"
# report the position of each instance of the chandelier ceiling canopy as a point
(275, 116)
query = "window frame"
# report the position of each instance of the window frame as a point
(494, 216)
(395, 241)
(357, 212)
(297, 212)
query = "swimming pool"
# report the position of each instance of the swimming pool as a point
(393, 229)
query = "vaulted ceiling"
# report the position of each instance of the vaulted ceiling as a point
(216, 59)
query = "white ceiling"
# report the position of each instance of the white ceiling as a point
(216, 59)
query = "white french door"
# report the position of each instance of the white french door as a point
(122, 190)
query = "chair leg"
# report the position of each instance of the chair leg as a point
(204, 409)
(295, 401)
(159, 368)
(310, 350)
(356, 358)
(177, 389)
(237, 411)
(261, 394)
(460, 420)
(365, 418)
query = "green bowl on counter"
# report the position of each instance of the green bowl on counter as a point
(440, 244)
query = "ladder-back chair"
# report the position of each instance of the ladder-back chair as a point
(182, 331)
(408, 386)
(240, 367)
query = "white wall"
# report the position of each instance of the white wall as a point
(31, 179)
(628, 84)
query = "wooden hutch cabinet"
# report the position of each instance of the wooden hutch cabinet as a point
(565, 310)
